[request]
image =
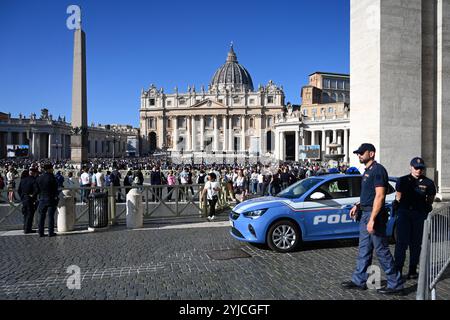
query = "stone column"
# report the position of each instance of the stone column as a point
(243, 129)
(9, 137)
(386, 80)
(216, 134)
(230, 134)
(21, 138)
(323, 146)
(175, 134)
(33, 144)
(277, 145)
(188, 144)
(339, 140)
(225, 137)
(443, 99)
(327, 139)
(297, 141)
(202, 133)
(194, 133)
(50, 148)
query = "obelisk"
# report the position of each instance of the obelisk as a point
(79, 137)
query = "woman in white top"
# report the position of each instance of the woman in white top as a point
(11, 183)
(212, 188)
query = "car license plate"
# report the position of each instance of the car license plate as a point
(232, 223)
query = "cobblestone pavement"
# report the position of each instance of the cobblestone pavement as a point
(175, 262)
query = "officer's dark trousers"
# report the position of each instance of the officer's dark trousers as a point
(46, 207)
(409, 234)
(378, 241)
(28, 209)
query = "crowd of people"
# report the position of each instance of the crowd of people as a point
(241, 181)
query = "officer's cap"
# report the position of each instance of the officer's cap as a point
(365, 147)
(418, 162)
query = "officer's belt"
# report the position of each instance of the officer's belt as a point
(366, 208)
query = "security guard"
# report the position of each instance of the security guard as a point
(415, 196)
(48, 199)
(372, 230)
(28, 194)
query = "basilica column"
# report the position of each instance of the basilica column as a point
(194, 132)
(313, 138)
(188, 134)
(216, 134)
(243, 133)
(297, 140)
(225, 138)
(9, 137)
(230, 134)
(175, 134)
(202, 132)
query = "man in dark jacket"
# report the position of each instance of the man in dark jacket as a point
(28, 195)
(155, 180)
(47, 187)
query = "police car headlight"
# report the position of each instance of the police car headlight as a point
(255, 214)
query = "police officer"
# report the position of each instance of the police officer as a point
(28, 193)
(415, 196)
(48, 199)
(372, 230)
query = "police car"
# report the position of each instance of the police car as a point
(316, 208)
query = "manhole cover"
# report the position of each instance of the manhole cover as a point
(228, 254)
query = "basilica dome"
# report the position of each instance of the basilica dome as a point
(232, 76)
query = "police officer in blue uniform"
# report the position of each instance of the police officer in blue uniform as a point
(415, 196)
(373, 220)
(48, 199)
(28, 195)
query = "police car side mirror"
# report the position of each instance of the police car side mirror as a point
(317, 196)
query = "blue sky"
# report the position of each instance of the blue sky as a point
(132, 44)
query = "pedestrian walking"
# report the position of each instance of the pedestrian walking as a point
(211, 189)
(415, 196)
(372, 229)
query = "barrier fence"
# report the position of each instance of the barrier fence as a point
(159, 202)
(435, 254)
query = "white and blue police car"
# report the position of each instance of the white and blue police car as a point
(313, 209)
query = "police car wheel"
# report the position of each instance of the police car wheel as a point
(283, 236)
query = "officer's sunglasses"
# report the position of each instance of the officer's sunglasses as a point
(418, 168)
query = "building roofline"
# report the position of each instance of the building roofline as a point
(330, 74)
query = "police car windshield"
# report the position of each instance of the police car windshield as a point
(298, 189)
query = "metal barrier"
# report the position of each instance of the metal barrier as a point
(435, 254)
(160, 202)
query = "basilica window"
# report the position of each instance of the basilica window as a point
(169, 103)
(220, 100)
(252, 123)
(330, 110)
(181, 122)
(182, 101)
(270, 99)
(236, 122)
(151, 123)
(152, 102)
(252, 101)
(326, 83)
(236, 100)
(169, 123)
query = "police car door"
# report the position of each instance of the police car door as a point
(327, 209)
